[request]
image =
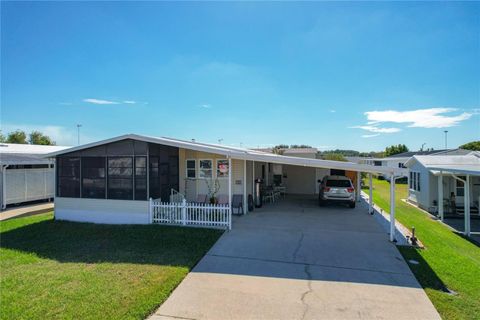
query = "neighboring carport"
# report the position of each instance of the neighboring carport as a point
(462, 173)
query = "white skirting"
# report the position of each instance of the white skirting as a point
(102, 211)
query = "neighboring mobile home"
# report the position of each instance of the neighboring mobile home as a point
(112, 181)
(25, 174)
(434, 179)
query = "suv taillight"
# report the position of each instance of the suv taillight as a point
(350, 190)
(326, 189)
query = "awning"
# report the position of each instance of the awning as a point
(243, 154)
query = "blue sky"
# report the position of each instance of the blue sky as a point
(333, 75)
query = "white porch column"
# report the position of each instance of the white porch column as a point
(245, 200)
(230, 191)
(392, 208)
(359, 186)
(440, 195)
(370, 194)
(253, 180)
(466, 200)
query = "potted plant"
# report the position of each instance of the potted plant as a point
(213, 188)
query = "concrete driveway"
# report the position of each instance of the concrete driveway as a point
(294, 260)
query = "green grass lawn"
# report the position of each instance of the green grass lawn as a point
(448, 260)
(65, 270)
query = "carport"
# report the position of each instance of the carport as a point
(268, 159)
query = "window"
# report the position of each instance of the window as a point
(460, 187)
(223, 169)
(339, 183)
(191, 168)
(68, 183)
(93, 177)
(414, 181)
(205, 171)
(140, 178)
(120, 178)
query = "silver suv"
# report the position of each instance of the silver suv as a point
(336, 189)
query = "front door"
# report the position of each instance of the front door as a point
(459, 191)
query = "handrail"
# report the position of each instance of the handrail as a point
(176, 196)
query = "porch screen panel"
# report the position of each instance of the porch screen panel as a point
(68, 177)
(154, 177)
(120, 178)
(140, 178)
(93, 177)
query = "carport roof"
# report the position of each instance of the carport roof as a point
(241, 153)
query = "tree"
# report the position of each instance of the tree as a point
(36, 137)
(395, 149)
(300, 146)
(334, 157)
(3, 139)
(17, 136)
(474, 146)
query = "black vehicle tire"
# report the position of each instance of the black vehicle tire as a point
(352, 204)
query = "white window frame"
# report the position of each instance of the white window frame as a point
(216, 169)
(187, 168)
(200, 169)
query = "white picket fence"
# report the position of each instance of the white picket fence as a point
(191, 214)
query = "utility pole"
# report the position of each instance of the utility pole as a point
(446, 131)
(78, 133)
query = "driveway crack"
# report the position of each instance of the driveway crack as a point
(299, 245)
(310, 290)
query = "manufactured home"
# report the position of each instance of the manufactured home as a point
(446, 185)
(134, 179)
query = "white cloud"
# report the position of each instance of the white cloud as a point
(370, 135)
(99, 101)
(421, 118)
(376, 129)
(206, 106)
(129, 102)
(333, 111)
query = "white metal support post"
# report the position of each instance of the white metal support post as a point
(392, 208)
(370, 194)
(253, 179)
(466, 199)
(359, 186)
(230, 193)
(440, 196)
(245, 200)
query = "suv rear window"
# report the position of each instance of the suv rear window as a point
(339, 183)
